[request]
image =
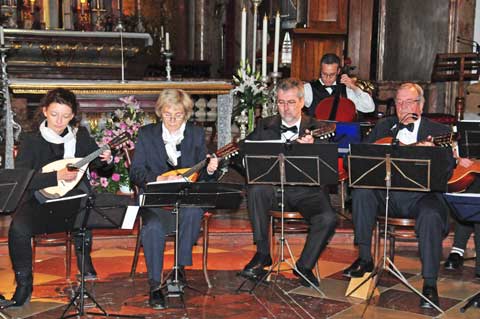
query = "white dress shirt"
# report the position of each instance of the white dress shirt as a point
(362, 100)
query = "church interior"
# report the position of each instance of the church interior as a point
(231, 57)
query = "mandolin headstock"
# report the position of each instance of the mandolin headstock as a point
(326, 130)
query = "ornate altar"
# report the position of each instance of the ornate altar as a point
(75, 55)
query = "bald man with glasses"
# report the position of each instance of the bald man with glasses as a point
(429, 209)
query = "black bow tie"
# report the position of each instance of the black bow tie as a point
(329, 87)
(284, 129)
(409, 126)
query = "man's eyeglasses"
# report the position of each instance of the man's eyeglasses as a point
(287, 103)
(406, 103)
(176, 116)
(328, 75)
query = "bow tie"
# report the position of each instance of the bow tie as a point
(293, 129)
(329, 87)
(409, 126)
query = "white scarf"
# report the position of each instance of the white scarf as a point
(171, 141)
(69, 140)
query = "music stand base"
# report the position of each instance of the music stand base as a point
(474, 301)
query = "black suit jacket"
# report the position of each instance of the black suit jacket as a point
(150, 158)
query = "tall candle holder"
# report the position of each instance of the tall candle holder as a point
(9, 143)
(168, 58)
(97, 18)
(265, 106)
(275, 76)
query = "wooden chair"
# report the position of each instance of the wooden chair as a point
(51, 240)
(397, 228)
(204, 233)
(294, 223)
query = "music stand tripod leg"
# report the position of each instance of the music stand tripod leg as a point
(473, 301)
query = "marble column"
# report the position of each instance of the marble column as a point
(191, 30)
(200, 29)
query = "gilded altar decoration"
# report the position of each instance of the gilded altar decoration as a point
(129, 118)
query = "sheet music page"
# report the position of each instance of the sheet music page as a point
(64, 198)
(177, 180)
(264, 141)
(130, 217)
(466, 195)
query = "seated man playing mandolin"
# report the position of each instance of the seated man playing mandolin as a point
(311, 201)
(331, 79)
(428, 208)
(170, 144)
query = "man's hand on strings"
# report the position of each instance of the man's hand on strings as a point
(212, 164)
(306, 139)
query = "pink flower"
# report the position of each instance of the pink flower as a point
(116, 159)
(123, 126)
(93, 175)
(115, 177)
(103, 182)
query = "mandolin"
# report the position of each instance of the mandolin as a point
(79, 164)
(444, 140)
(462, 177)
(191, 173)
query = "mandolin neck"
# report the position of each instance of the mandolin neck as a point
(87, 159)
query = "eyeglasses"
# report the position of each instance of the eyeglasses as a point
(282, 103)
(328, 75)
(406, 103)
(176, 116)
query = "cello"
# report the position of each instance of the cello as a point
(336, 107)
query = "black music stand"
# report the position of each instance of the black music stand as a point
(396, 168)
(283, 164)
(184, 194)
(13, 183)
(469, 142)
(109, 214)
(467, 208)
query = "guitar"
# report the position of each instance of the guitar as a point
(79, 164)
(462, 177)
(445, 140)
(191, 173)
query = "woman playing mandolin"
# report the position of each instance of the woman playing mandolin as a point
(58, 138)
(170, 144)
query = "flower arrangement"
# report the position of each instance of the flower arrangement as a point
(128, 119)
(250, 91)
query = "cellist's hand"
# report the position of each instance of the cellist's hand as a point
(348, 81)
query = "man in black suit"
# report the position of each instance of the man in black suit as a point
(429, 209)
(326, 85)
(312, 202)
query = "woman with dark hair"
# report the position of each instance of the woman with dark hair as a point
(57, 138)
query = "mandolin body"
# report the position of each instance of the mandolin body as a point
(62, 187)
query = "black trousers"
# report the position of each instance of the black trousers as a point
(29, 220)
(429, 210)
(312, 202)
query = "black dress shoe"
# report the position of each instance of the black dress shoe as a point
(156, 299)
(359, 268)
(432, 294)
(254, 269)
(454, 261)
(308, 274)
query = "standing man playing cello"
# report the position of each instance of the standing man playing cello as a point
(326, 85)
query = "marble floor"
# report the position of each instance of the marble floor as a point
(230, 249)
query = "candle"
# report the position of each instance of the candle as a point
(264, 46)
(167, 41)
(243, 46)
(276, 43)
(162, 33)
(2, 37)
(254, 42)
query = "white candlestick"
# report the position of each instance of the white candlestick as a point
(2, 37)
(264, 46)
(162, 32)
(243, 51)
(277, 42)
(167, 41)
(254, 43)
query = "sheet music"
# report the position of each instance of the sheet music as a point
(264, 141)
(177, 180)
(465, 195)
(130, 217)
(65, 198)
